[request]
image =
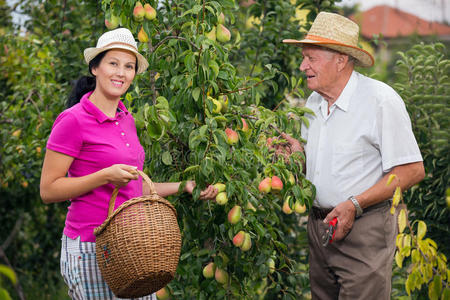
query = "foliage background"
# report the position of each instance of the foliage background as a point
(36, 73)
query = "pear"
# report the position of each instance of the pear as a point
(150, 12)
(221, 18)
(212, 34)
(224, 101)
(138, 12)
(142, 35)
(247, 244)
(112, 23)
(223, 34)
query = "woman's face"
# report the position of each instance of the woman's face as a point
(115, 73)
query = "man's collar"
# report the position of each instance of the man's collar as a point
(343, 100)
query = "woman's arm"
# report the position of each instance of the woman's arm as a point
(165, 189)
(57, 187)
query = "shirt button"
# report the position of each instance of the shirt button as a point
(122, 133)
(117, 123)
(128, 145)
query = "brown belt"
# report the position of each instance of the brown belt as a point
(321, 213)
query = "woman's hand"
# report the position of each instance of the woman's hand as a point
(120, 174)
(209, 193)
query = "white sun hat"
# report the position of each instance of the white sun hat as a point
(120, 38)
(336, 32)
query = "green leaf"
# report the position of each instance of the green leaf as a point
(421, 229)
(435, 287)
(8, 272)
(167, 158)
(4, 295)
(398, 259)
(196, 93)
(402, 220)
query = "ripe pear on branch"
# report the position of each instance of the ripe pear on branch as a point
(234, 215)
(265, 186)
(112, 22)
(150, 12)
(138, 12)
(223, 35)
(209, 270)
(212, 34)
(247, 244)
(142, 36)
(221, 18)
(232, 136)
(222, 198)
(276, 183)
(238, 239)
(221, 276)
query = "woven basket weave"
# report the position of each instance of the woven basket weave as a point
(138, 246)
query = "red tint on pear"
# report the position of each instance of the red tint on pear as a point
(277, 184)
(265, 185)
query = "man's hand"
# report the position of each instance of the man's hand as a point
(286, 149)
(345, 213)
(294, 144)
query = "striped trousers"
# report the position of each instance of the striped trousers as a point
(81, 273)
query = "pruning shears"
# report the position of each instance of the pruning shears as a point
(328, 236)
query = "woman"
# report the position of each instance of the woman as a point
(94, 141)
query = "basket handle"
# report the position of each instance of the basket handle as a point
(115, 192)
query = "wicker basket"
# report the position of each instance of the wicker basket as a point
(138, 245)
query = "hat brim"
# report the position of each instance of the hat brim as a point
(364, 58)
(90, 53)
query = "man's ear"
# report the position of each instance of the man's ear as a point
(342, 60)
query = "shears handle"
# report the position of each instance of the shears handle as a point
(333, 227)
(328, 237)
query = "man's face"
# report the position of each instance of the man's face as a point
(320, 67)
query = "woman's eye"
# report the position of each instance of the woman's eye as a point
(113, 63)
(130, 67)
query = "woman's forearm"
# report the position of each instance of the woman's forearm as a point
(65, 188)
(163, 189)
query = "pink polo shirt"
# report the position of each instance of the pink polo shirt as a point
(95, 141)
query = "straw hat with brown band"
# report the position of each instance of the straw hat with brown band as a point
(120, 38)
(336, 32)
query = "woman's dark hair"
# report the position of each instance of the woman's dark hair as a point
(86, 84)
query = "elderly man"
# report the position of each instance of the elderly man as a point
(360, 134)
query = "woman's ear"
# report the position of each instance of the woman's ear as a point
(94, 71)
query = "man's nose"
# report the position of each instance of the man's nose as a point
(303, 65)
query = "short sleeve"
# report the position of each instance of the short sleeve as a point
(396, 139)
(65, 136)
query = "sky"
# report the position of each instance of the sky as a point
(430, 10)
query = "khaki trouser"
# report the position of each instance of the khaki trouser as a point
(360, 265)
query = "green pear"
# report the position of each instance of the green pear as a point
(212, 34)
(150, 12)
(220, 187)
(221, 18)
(223, 34)
(222, 198)
(209, 269)
(142, 36)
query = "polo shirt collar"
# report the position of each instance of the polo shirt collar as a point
(97, 113)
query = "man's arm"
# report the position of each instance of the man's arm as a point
(407, 175)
